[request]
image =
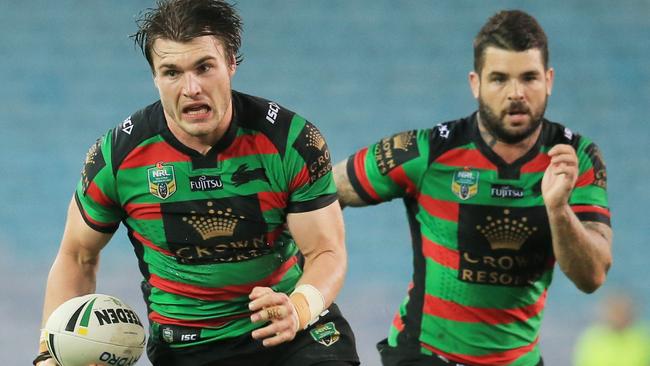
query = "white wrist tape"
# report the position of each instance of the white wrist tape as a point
(314, 299)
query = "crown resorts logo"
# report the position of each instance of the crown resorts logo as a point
(506, 232)
(403, 141)
(217, 223)
(162, 180)
(314, 138)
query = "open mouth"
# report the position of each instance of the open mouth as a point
(197, 110)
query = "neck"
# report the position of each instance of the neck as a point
(506, 151)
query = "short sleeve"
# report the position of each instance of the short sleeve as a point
(589, 197)
(393, 167)
(96, 194)
(309, 168)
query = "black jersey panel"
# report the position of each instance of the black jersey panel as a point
(215, 230)
(265, 116)
(449, 135)
(140, 126)
(93, 164)
(598, 164)
(413, 319)
(503, 246)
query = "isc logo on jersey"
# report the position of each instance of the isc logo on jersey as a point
(95, 329)
(272, 113)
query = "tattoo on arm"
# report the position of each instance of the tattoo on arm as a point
(347, 195)
(599, 228)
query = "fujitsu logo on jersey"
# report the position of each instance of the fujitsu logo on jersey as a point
(272, 113)
(506, 191)
(205, 183)
(127, 126)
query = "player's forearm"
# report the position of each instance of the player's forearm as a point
(70, 276)
(325, 271)
(582, 254)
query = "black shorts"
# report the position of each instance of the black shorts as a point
(411, 356)
(329, 341)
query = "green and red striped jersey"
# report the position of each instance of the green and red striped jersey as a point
(483, 258)
(207, 229)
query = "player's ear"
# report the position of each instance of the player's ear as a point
(474, 83)
(550, 76)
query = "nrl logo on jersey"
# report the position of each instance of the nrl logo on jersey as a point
(162, 180)
(325, 334)
(465, 183)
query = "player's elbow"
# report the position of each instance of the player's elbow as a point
(591, 283)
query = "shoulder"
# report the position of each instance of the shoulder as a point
(451, 134)
(136, 128)
(280, 125)
(556, 133)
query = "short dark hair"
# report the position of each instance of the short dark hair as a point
(184, 20)
(512, 30)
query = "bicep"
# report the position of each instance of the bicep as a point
(318, 230)
(80, 240)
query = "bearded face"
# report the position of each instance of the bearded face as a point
(497, 125)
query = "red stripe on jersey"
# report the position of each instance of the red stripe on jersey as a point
(537, 165)
(149, 155)
(490, 359)
(150, 244)
(586, 178)
(445, 210)
(399, 176)
(595, 209)
(143, 211)
(272, 200)
(245, 145)
(360, 172)
(98, 196)
(301, 179)
(397, 322)
(465, 158)
(203, 323)
(219, 293)
(84, 213)
(275, 234)
(470, 314)
(440, 254)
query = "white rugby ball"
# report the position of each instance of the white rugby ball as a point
(95, 329)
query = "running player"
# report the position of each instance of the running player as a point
(493, 200)
(229, 203)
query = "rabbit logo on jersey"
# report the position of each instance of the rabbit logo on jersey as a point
(162, 181)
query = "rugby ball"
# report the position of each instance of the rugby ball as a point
(95, 329)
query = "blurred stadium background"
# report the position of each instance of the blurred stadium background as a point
(358, 69)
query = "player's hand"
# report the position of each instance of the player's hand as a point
(268, 305)
(560, 176)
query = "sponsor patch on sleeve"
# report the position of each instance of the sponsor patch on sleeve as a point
(396, 150)
(312, 147)
(92, 165)
(598, 163)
